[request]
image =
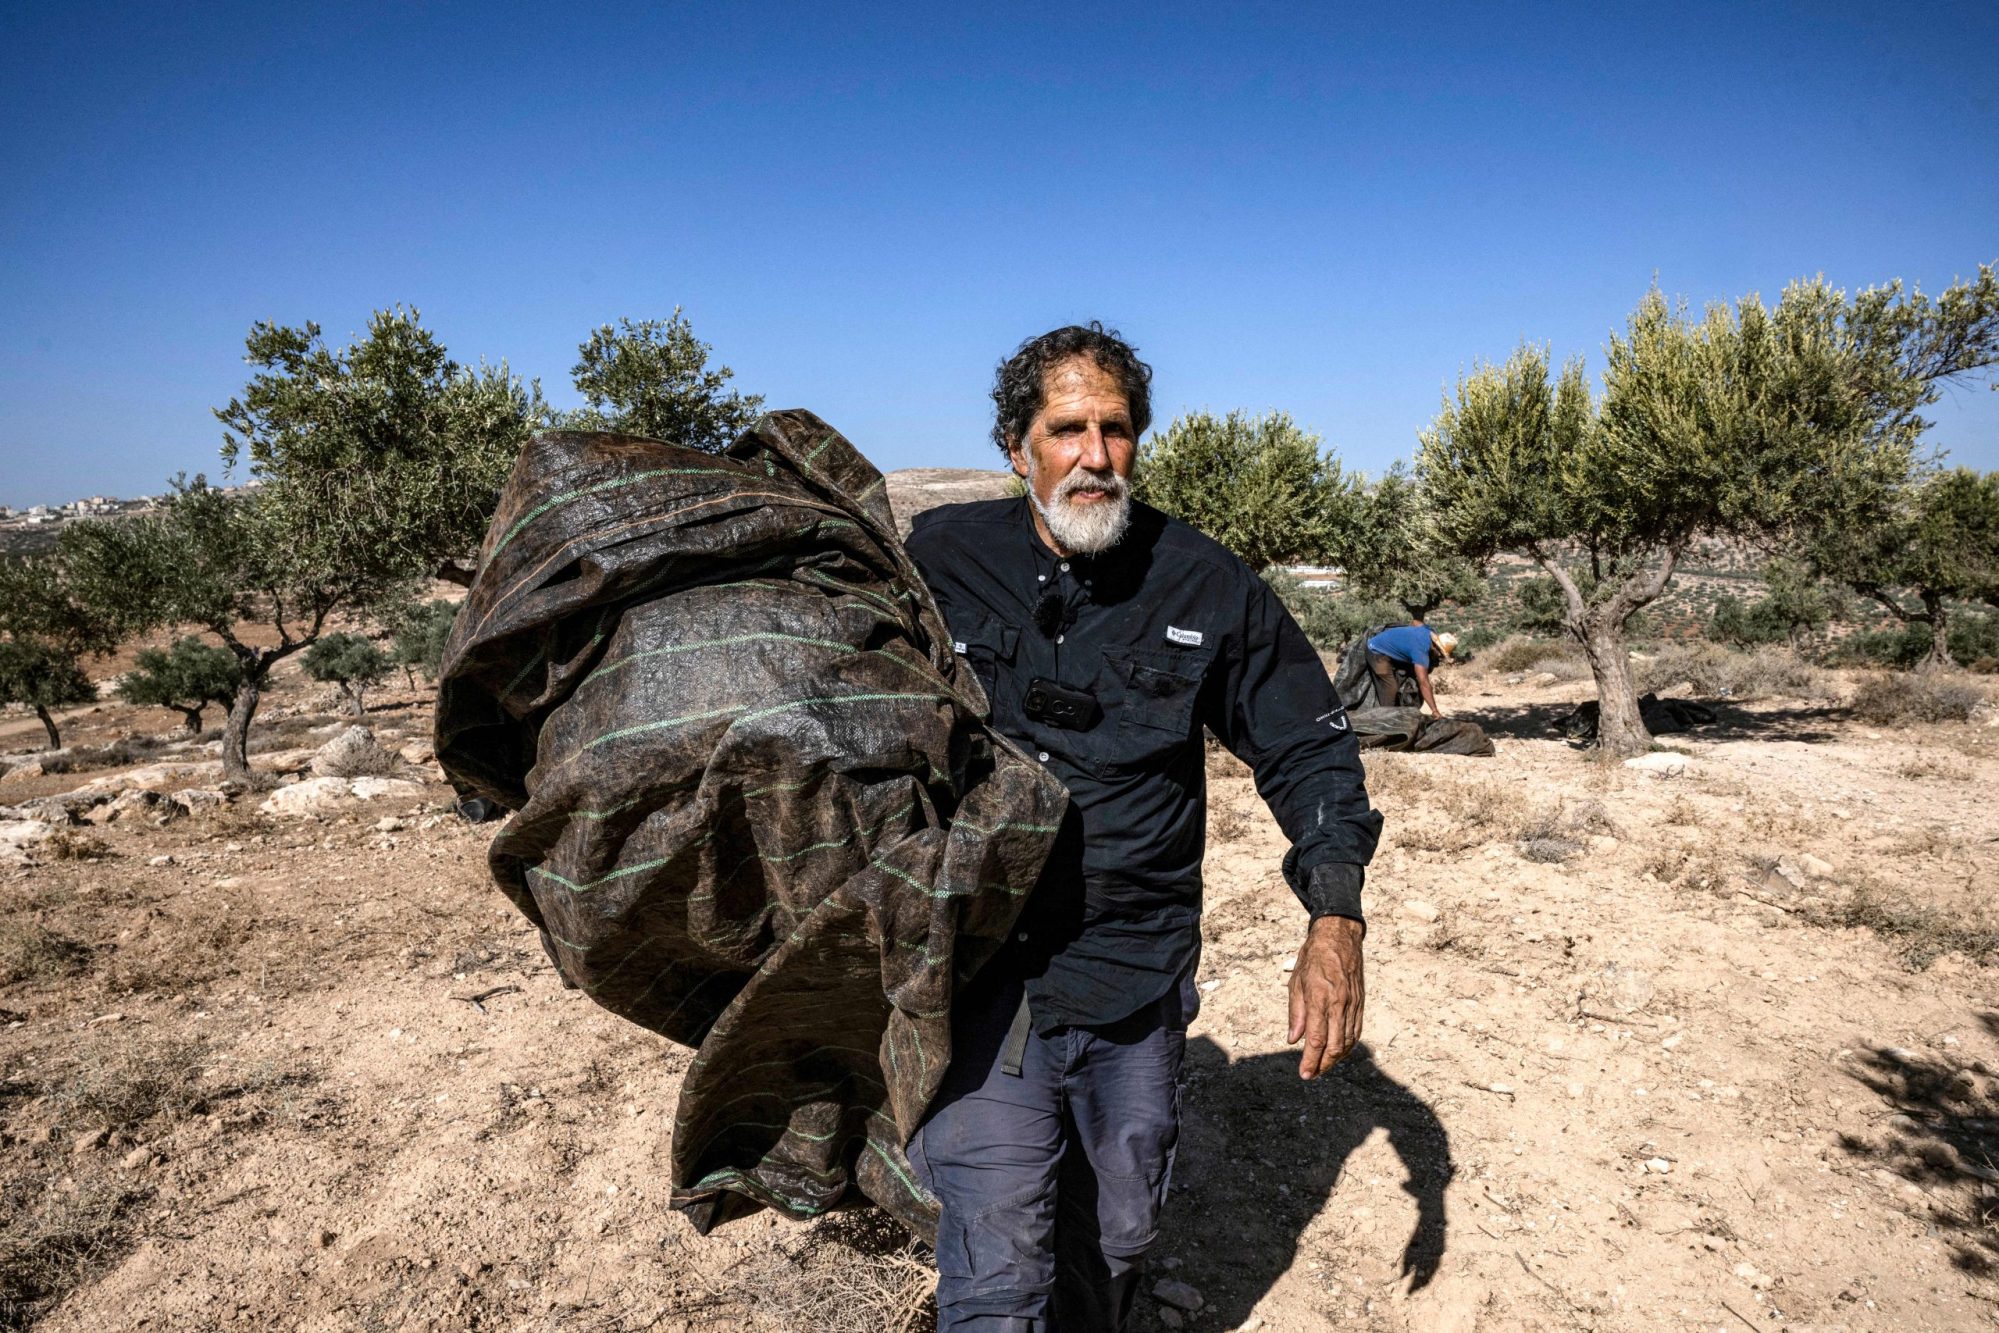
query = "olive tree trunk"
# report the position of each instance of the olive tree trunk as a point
(236, 731)
(49, 725)
(1939, 618)
(1620, 727)
(1600, 629)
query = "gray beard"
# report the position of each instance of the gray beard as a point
(1084, 529)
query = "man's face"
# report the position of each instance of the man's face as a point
(1077, 458)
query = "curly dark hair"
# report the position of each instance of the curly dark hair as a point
(1020, 383)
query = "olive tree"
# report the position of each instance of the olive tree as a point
(261, 569)
(1389, 548)
(351, 661)
(417, 635)
(1795, 604)
(415, 445)
(1258, 485)
(43, 678)
(1754, 421)
(187, 678)
(370, 469)
(48, 626)
(1934, 542)
(651, 377)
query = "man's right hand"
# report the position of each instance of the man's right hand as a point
(1328, 994)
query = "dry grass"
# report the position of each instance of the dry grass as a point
(1518, 654)
(1449, 935)
(1545, 837)
(1717, 672)
(1899, 698)
(1462, 815)
(1551, 834)
(854, 1272)
(71, 844)
(1921, 933)
(1395, 777)
(30, 951)
(121, 1082)
(1702, 865)
(1928, 764)
(192, 942)
(293, 733)
(121, 753)
(54, 1240)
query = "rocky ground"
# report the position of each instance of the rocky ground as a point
(1711, 1048)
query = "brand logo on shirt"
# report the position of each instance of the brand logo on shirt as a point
(1186, 638)
(1337, 719)
(958, 647)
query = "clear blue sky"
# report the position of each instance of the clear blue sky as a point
(1325, 208)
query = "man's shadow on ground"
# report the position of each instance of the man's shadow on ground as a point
(1261, 1152)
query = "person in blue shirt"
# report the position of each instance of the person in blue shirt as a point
(1407, 650)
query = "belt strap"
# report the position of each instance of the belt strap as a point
(1015, 1049)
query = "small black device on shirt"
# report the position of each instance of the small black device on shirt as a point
(1060, 705)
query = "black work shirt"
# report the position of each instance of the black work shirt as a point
(1170, 633)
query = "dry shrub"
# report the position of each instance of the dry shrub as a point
(1928, 764)
(31, 951)
(293, 733)
(70, 844)
(122, 1082)
(1395, 777)
(355, 753)
(54, 1240)
(1898, 698)
(1449, 935)
(193, 942)
(1700, 866)
(1523, 654)
(1717, 672)
(1474, 813)
(1551, 834)
(1921, 934)
(121, 753)
(1592, 816)
(853, 1272)
(1548, 851)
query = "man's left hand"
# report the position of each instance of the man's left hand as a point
(1328, 993)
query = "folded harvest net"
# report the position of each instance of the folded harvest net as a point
(755, 807)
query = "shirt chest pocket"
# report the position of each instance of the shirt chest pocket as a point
(989, 647)
(1159, 691)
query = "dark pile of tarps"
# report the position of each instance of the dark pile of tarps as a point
(756, 809)
(1662, 717)
(1404, 726)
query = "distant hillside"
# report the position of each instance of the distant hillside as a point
(915, 489)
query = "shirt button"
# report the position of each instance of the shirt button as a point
(1022, 937)
(1065, 566)
(1041, 578)
(1043, 756)
(1060, 637)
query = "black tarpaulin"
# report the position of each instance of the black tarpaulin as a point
(755, 807)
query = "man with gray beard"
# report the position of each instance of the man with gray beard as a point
(1107, 637)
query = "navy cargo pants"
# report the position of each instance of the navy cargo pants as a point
(1051, 1180)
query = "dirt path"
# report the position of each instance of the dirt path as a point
(1624, 1068)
